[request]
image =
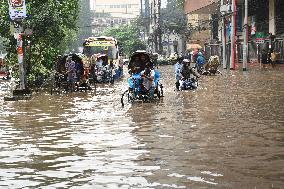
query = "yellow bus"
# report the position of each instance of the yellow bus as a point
(94, 47)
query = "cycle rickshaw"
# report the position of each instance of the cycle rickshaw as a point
(143, 83)
(71, 74)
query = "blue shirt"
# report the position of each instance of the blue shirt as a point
(177, 70)
(200, 60)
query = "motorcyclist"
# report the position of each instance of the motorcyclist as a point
(186, 72)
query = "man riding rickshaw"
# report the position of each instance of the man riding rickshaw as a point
(143, 83)
(71, 73)
(211, 67)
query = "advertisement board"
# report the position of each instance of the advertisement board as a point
(17, 9)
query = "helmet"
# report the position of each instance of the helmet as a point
(186, 61)
(200, 54)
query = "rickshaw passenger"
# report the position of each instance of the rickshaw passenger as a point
(79, 69)
(144, 61)
(134, 81)
(105, 61)
(134, 64)
(99, 62)
(148, 76)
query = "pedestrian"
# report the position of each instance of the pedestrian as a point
(71, 73)
(273, 58)
(177, 72)
(200, 61)
(264, 58)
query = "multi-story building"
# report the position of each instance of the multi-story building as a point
(201, 16)
(117, 8)
(113, 12)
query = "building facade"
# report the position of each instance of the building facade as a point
(117, 8)
(201, 16)
(265, 26)
(109, 13)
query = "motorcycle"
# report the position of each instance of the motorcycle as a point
(188, 84)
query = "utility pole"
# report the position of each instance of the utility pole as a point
(245, 47)
(141, 7)
(233, 36)
(224, 59)
(159, 27)
(17, 12)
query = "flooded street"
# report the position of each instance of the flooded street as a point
(229, 133)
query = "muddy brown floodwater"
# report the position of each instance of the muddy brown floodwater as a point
(229, 133)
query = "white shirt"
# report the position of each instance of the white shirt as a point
(147, 82)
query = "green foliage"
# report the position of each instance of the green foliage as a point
(84, 24)
(53, 23)
(173, 17)
(180, 4)
(128, 36)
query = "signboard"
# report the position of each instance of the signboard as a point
(259, 40)
(100, 43)
(260, 35)
(17, 9)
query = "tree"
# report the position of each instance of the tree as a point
(84, 24)
(53, 23)
(129, 36)
(173, 17)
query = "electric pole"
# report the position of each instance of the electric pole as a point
(224, 59)
(245, 47)
(233, 37)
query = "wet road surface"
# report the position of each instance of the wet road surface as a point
(229, 133)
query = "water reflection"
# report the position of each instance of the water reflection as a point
(226, 134)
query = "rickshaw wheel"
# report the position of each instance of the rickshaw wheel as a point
(130, 97)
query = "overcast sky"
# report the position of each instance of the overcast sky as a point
(164, 3)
